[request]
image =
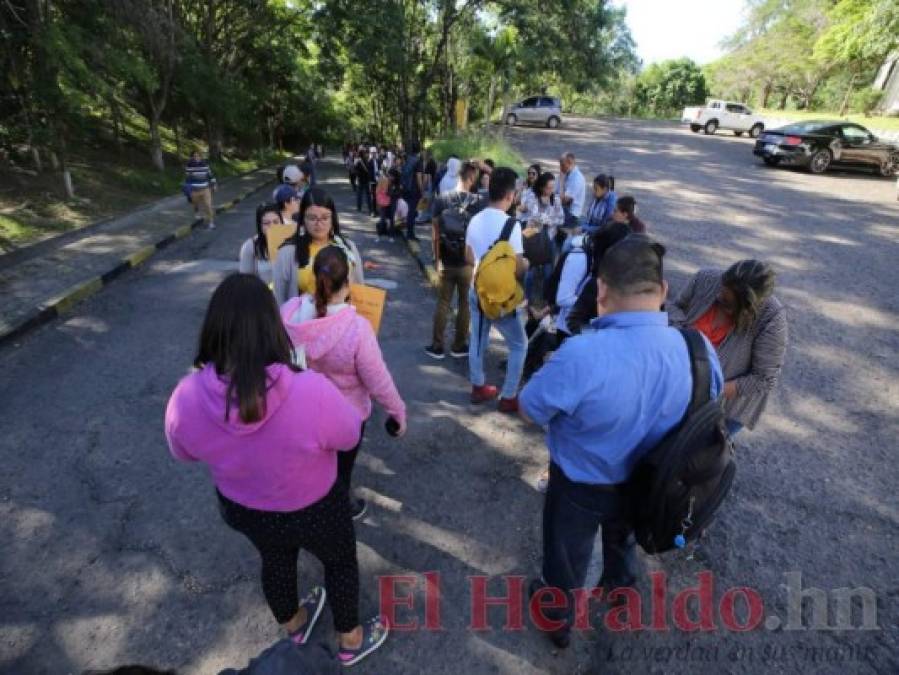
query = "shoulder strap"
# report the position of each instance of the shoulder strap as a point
(700, 368)
(507, 229)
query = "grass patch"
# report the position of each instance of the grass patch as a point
(873, 122)
(478, 146)
(107, 183)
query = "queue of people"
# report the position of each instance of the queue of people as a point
(286, 370)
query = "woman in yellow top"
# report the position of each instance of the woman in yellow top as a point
(319, 227)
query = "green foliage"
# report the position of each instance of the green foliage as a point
(808, 54)
(478, 146)
(664, 88)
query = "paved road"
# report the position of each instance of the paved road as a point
(113, 553)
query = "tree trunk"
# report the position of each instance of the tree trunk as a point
(156, 144)
(491, 101)
(766, 94)
(54, 160)
(215, 136)
(179, 149)
(36, 158)
(783, 100)
(67, 184)
(845, 104)
(116, 123)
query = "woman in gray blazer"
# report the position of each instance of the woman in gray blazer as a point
(737, 311)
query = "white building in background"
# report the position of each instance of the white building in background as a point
(887, 81)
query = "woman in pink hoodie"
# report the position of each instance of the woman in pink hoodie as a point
(270, 435)
(332, 339)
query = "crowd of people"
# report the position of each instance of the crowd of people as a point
(572, 280)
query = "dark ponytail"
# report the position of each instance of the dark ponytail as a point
(332, 271)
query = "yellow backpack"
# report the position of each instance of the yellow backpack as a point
(495, 283)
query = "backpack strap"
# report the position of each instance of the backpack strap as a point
(700, 368)
(507, 230)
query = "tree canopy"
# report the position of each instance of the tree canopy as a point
(270, 73)
(815, 54)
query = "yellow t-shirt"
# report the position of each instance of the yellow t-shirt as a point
(305, 276)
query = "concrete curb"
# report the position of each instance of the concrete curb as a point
(427, 268)
(62, 303)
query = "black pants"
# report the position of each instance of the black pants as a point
(325, 529)
(363, 191)
(572, 513)
(346, 460)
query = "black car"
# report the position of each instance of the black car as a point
(822, 144)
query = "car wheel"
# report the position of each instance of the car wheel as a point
(553, 122)
(756, 130)
(738, 133)
(820, 161)
(711, 127)
(695, 128)
(891, 166)
(511, 120)
(771, 161)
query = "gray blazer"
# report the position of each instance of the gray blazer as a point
(753, 359)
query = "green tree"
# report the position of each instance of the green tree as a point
(666, 87)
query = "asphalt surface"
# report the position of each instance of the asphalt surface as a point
(113, 553)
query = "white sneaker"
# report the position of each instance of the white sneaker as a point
(377, 240)
(211, 226)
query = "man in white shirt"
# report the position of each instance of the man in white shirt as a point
(571, 188)
(483, 231)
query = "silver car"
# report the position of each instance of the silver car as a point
(535, 110)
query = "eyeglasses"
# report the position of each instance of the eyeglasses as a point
(317, 220)
(532, 173)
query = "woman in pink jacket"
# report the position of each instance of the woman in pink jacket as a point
(332, 339)
(271, 435)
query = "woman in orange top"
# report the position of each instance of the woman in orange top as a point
(739, 314)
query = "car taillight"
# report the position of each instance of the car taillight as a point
(792, 140)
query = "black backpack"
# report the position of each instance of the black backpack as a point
(453, 223)
(679, 485)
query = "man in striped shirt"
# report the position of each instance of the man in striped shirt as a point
(200, 183)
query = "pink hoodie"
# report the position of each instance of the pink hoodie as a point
(284, 462)
(343, 346)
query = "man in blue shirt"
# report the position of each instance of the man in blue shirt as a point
(606, 398)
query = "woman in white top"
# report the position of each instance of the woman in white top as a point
(253, 257)
(292, 273)
(527, 190)
(544, 207)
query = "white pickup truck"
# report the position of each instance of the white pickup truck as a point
(716, 115)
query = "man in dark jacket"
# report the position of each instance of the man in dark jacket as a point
(363, 178)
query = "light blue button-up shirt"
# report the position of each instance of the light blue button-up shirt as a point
(608, 397)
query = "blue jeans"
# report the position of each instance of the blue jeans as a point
(733, 427)
(511, 327)
(572, 513)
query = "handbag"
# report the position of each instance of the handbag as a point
(538, 248)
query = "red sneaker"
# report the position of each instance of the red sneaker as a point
(484, 393)
(508, 405)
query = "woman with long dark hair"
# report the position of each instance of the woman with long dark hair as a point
(253, 257)
(292, 274)
(746, 323)
(331, 338)
(270, 435)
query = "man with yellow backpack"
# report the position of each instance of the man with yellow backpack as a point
(493, 245)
